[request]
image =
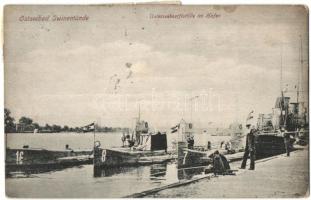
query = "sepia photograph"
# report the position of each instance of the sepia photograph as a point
(156, 101)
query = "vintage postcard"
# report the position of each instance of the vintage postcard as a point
(156, 101)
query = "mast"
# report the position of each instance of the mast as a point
(191, 99)
(300, 81)
(281, 75)
(282, 92)
(139, 112)
(300, 71)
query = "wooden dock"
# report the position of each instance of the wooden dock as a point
(230, 157)
(266, 170)
(277, 176)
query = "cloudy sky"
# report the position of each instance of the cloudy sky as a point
(80, 71)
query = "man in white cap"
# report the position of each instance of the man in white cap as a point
(250, 142)
(249, 148)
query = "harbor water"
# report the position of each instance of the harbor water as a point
(76, 141)
(81, 181)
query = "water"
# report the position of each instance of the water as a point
(80, 181)
(58, 141)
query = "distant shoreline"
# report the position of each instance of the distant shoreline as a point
(42, 133)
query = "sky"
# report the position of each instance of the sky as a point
(76, 72)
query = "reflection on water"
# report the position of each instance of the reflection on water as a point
(28, 170)
(107, 172)
(86, 182)
(158, 171)
(165, 171)
(153, 172)
(190, 173)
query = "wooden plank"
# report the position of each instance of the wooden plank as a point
(155, 190)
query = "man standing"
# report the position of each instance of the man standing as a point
(249, 148)
(209, 145)
(190, 141)
(287, 143)
(123, 138)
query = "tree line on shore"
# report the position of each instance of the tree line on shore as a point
(27, 125)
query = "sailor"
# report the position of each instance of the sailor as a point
(287, 138)
(249, 148)
(97, 152)
(220, 163)
(123, 138)
(67, 147)
(137, 138)
(131, 143)
(228, 146)
(209, 145)
(190, 142)
(127, 139)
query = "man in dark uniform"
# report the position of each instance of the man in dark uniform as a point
(190, 142)
(209, 145)
(287, 143)
(249, 149)
(220, 163)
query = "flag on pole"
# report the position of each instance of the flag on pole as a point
(285, 89)
(250, 117)
(175, 128)
(89, 128)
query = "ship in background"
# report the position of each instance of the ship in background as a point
(288, 116)
(145, 146)
(187, 155)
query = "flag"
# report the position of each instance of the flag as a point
(250, 116)
(249, 119)
(285, 89)
(89, 128)
(175, 128)
(128, 65)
